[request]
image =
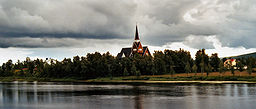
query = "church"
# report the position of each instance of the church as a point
(136, 48)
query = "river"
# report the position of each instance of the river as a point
(51, 95)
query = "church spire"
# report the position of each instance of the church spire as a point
(137, 34)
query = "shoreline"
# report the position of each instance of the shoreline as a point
(133, 82)
(160, 79)
(172, 82)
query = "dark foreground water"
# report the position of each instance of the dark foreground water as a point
(149, 96)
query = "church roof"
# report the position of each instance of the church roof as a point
(137, 44)
(145, 48)
(136, 48)
(127, 52)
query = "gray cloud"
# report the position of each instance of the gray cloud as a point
(45, 23)
(45, 42)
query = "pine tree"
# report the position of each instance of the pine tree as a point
(133, 70)
(208, 69)
(215, 61)
(221, 67)
(172, 71)
(240, 65)
(249, 69)
(202, 66)
(249, 65)
(138, 74)
(194, 69)
(232, 69)
(125, 72)
(187, 68)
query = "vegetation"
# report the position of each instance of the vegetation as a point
(183, 78)
(96, 65)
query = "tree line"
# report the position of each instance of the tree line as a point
(95, 65)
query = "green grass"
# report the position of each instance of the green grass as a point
(135, 78)
(190, 78)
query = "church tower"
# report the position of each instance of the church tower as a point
(136, 46)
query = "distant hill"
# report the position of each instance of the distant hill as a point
(244, 55)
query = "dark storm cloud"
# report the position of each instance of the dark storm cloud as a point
(59, 35)
(89, 17)
(46, 42)
(160, 22)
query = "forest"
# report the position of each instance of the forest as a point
(96, 65)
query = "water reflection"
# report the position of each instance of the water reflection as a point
(151, 96)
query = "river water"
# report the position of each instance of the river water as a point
(49, 95)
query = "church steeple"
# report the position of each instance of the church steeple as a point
(136, 48)
(137, 34)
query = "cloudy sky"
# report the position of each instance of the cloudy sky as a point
(65, 28)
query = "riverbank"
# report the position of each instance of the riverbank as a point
(166, 79)
(215, 77)
(170, 82)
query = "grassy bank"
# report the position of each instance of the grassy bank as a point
(191, 78)
(214, 76)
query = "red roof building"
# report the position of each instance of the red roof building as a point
(136, 48)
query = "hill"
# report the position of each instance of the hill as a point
(244, 55)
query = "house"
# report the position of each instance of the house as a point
(136, 48)
(230, 62)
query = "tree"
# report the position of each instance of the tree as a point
(240, 65)
(172, 71)
(1, 72)
(125, 72)
(76, 66)
(84, 68)
(125, 63)
(133, 70)
(95, 65)
(215, 61)
(198, 60)
(138, 73)
(208, 69)
(159, 63)
(9, 68)
(194, 69)
(177, 59)
(187, 68)
(148, 70)
(221, 67)
(202, 60)
(153, 70)
(202, 66)
(249, 69)
(250, 62)
(232, 69)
